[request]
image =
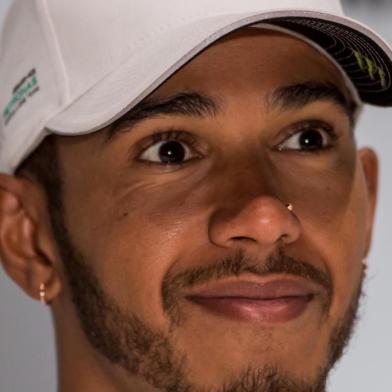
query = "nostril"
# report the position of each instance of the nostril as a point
(243, 238)
(283, 239)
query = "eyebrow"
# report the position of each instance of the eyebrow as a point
(199, 105)
(303, 94)
(182, 104)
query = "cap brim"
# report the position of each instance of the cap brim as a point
(364, 56)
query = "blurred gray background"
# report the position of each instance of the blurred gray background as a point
(27, 356)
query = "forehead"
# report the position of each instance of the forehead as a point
(254, 58)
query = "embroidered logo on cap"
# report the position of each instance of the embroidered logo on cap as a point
(24, 90)
(369, 66)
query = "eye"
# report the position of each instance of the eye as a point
(311, 137)
(172, 148)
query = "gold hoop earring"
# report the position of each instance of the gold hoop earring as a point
(42, 293)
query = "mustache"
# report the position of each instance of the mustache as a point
(239, 263)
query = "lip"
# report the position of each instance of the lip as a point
(279, 300)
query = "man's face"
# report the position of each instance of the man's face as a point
(192, 194)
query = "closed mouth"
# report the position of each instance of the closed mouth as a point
(278, 300)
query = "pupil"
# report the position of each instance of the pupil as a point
(171, 152)
(311, 140)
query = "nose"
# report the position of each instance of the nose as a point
(263, 222)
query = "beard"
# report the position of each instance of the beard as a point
(126, 341)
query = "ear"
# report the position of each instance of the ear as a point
(369, 162)
(27, 250)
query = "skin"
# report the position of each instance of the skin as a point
(134, 224)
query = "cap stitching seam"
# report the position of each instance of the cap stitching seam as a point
(53, 45)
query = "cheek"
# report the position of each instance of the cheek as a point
(321, 188)
(332, 208)
(140, 234)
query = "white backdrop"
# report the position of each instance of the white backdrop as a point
(27, 357)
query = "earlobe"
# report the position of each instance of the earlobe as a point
(369, 163)
(20, 255)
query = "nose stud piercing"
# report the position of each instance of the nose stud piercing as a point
(42, 293)
(290, 207)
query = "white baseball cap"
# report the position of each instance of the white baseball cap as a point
(72, 67)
